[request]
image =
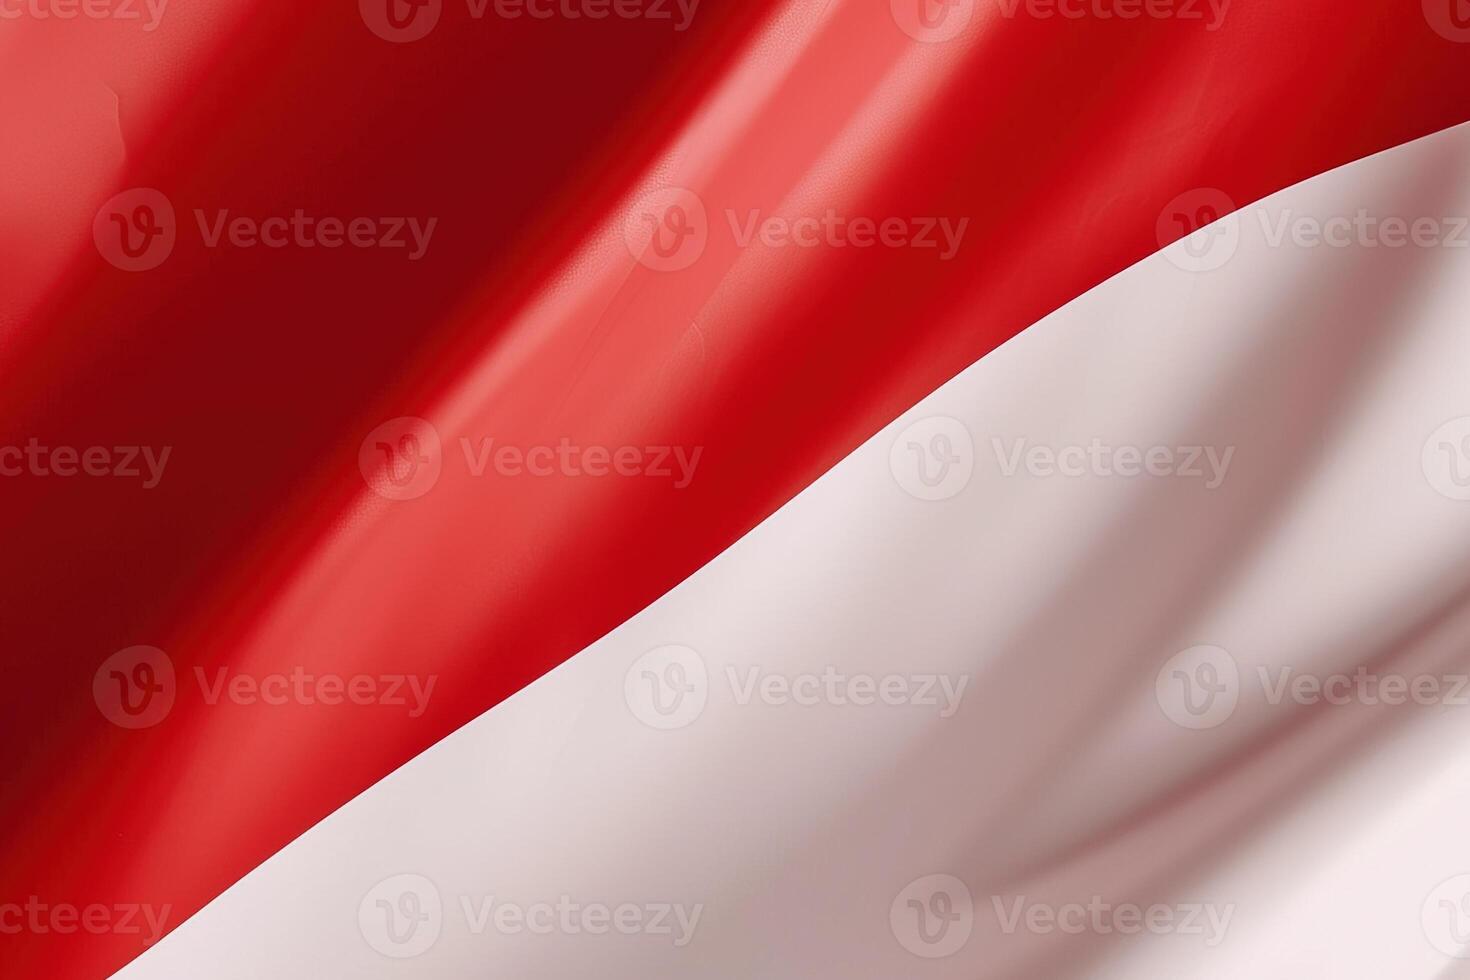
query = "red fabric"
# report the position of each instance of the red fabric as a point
(1060, 140)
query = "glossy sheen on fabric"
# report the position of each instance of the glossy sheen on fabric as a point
(1316, 534)
(1062, 142)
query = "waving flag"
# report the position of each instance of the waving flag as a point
(661, 488)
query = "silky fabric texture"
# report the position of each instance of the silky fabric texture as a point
(1063, 142)
(1031, 619)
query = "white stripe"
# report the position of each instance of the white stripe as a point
(1306, 840)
